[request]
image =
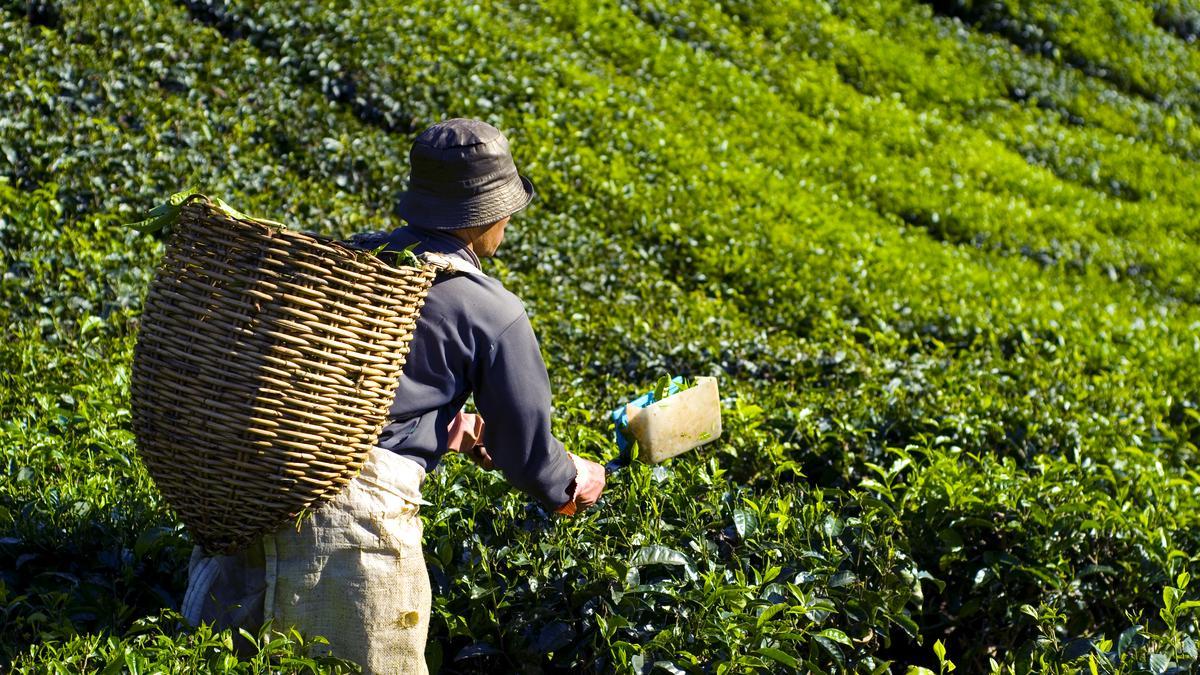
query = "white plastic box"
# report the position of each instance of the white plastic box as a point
(678, 423)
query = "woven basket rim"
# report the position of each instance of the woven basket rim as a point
(271, 228)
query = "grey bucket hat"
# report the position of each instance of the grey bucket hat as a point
(463, 175)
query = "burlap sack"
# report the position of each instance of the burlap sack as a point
(353, 572)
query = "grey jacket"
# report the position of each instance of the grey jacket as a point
(473, 337)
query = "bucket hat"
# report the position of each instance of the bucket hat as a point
(463, 175)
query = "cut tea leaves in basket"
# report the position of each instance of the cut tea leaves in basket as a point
(164, 217)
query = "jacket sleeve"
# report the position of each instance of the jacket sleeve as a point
(512, 391)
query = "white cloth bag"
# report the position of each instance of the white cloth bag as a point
(354, 572)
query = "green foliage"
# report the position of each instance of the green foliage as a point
(162, 644)
(166, 215)
(941, 257)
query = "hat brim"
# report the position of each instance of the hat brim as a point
(435, 212)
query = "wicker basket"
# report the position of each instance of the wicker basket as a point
(264, 369)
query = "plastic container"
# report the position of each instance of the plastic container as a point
(678, 423)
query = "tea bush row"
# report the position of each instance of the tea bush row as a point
(924, 438)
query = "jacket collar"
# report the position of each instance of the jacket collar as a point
(433, 241)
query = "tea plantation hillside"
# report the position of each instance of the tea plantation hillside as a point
(941, 255)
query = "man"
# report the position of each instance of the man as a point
(473, 336)
(354, 571)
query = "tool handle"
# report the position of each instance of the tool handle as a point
(623, 459)
(614, 466)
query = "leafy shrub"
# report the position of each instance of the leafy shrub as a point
(948, 287)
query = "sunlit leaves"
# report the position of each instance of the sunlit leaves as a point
(947, 288)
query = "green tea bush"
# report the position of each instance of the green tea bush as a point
(164, 644)
(947, 282)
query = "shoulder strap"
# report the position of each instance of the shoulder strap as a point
(449, 264)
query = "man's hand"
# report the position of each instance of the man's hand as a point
(589, 485)
(465, 434)
(480, 456)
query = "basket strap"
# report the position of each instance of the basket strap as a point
(449, 264)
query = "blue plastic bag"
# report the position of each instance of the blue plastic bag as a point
(620, 419)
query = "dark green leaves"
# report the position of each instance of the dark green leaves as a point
(948, 287)
(779, 656)
(662, 555)
(745, 522)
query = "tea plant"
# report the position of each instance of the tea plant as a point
(939, 255)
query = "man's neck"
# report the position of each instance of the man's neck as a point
(468, 244)
(444, 241)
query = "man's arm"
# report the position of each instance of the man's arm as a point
(512, 392)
